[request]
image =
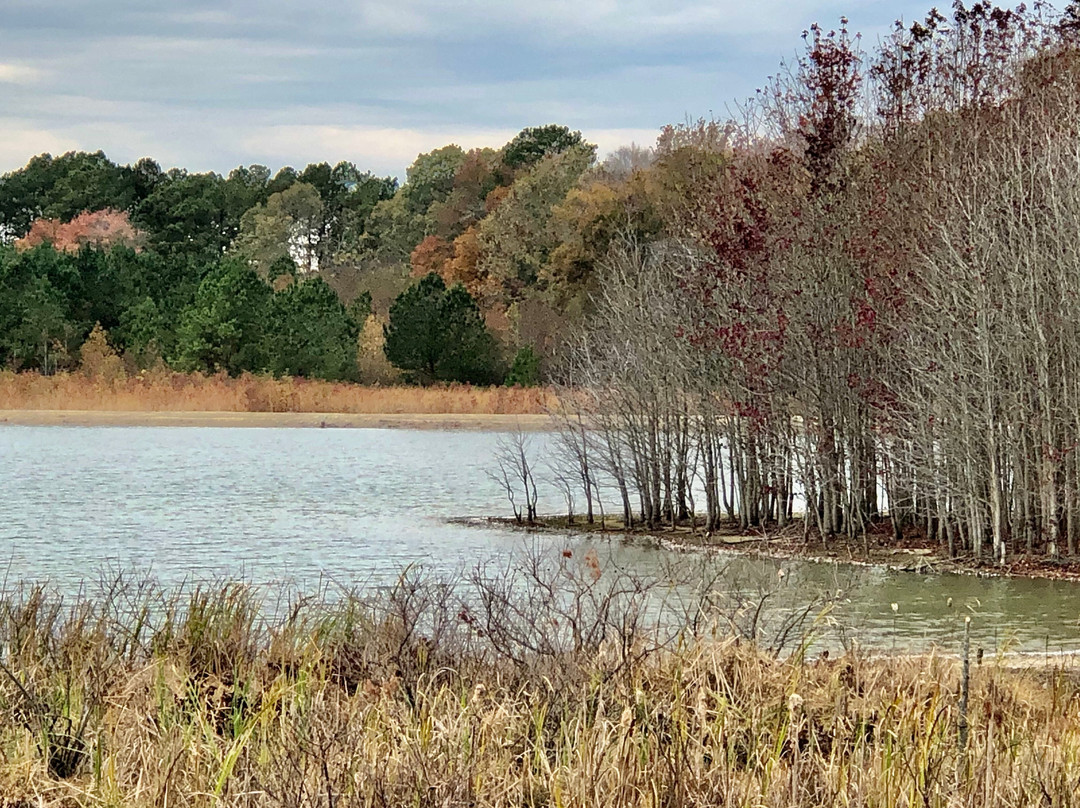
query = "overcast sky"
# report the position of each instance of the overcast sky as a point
(211, 85)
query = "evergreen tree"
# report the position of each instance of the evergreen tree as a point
(534, 143)
(525, 369)
(224, 328)
(310, 333)
(439, 335)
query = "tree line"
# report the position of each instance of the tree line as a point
(867, 300)
(268, 273)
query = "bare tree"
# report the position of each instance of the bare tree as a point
(514, 462)
(874, 304)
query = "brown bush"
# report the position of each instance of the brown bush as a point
(163, 390)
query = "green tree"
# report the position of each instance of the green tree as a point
(393, 231)
(39, 326)
(431, 178)
(438, 334)
(224, 329)
(360, 308)
(244, 188)
(352, 196)
(141, 326)
(533, 144)
(289, 225)
(283, 180)
(145, 176)
(525, 369)
(310, 333)
(48, 294)
(151, 292)
(186, 215)
(517, 239)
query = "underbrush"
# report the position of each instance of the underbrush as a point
(549, 683)
(168, 391)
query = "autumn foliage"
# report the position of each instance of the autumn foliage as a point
(431, 255)
(101, 229)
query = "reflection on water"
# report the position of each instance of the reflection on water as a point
(298, 505)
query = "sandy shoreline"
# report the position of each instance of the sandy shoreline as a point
(310, 420)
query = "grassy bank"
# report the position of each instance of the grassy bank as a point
(166, 391)
(500, 694)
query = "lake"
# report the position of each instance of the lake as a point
(295, 506)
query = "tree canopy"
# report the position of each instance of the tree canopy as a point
(437, 333)
(150, 253)
(533, 144)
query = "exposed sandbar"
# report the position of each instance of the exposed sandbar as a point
(466, 421)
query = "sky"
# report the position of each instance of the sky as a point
(213, 85)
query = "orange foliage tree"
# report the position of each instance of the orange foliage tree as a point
(99, 228)
(431, 255)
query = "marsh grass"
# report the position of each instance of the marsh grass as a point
(166, 391)
(555, 688)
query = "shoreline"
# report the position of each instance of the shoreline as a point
(915, 558)
(298, 420)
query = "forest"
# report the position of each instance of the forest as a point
(862, 292)
(484, 256)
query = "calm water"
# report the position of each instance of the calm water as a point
(275, 505)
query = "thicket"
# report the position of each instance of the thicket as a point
(867, 302)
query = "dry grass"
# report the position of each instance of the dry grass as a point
(166, 391)
(418, 699)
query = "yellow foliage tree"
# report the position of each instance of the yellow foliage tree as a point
(371, 361)
(98, 359)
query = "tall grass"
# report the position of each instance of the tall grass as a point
(167, 391)
(424, 696)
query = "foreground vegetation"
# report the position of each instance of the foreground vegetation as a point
(543, 685)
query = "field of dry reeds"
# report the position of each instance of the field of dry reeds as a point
(167, 391)
(529, 688)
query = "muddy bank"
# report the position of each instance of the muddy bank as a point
(912, 555)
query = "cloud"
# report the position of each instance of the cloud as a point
(608, 140)
(18, 143)
(213, 83)
(379, 146)
(18, 74)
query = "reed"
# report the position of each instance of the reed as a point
(221, 696)
(168, 391)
